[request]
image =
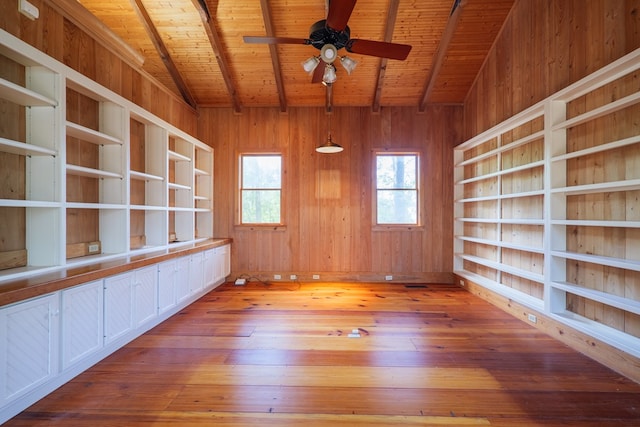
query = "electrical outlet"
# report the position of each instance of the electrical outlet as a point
(461, 282)
(293, 277)
(316, 277)
(29, 10)
(93, 248)
(388, 277)
(277, 277)
(532, 318)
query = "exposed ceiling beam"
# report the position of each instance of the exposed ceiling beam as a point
(388, 35)
(443, 47)
(163, 52)
(275, 59)
(214, 39)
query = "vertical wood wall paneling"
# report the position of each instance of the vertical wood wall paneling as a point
(328, 198)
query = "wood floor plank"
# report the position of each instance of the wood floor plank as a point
(280, 355)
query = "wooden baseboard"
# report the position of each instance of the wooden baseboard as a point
(614, 358)
(365, 277)
(13, 259)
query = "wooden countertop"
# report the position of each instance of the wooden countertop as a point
(22, 289)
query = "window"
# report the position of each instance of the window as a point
(397, 188)
(260, 188)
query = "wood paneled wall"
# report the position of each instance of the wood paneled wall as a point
(328, 197)
(545, 46)
(59, 38)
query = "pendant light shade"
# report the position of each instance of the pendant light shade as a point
(329, 147)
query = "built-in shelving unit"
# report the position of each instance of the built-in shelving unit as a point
(90, 175)
(547, 206)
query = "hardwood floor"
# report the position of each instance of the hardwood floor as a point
(280, 355)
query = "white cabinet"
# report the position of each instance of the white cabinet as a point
(209, 268)
(196, 273)
(118, 306)
(145, 295)
(29, 336)
(82, 321)
(182, 279)
(167, 296)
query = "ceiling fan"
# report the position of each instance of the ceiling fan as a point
(329, 36)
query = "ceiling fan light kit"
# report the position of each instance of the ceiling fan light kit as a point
(332, 34)
(310, 64)
(329, 75)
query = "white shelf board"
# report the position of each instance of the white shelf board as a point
(627, 264)
(179, 209)
(90, 172)
(509, 146)
(522, 221)
(504, 290)
(532, 165)
(78, 131)
(502, 196)
(142, 176)
(626, 304)
(598, 148)
(23, 96)
(98, 206)
(201, 172)
(147, 208)
(178, 157)
(534, 277)
(24, 149)
(201, 198)
(592, 223)
(602, 187)
(609, 108)
(501, 244)
(17, 203)
(175, 186)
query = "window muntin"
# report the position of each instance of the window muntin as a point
(397, 188)
(261, 189)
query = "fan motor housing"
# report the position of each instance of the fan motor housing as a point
(320, 34)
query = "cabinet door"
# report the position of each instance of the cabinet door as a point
(209, 268)
(196, 273)
(182, 278)
(82, 321)
(145, 294)
(166, 285)
(226, 261)
(28, 345)
(118, 306)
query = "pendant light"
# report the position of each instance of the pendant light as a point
(329, 147)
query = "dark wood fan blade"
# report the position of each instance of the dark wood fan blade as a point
(339, 13)
(379, 49)
(318, 73)
(275, 40)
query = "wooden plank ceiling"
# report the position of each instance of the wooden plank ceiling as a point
(196, 48)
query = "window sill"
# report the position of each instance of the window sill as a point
(261, 227)
(397, 227)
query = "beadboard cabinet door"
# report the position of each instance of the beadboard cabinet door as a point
(118, 306)
(182, 278)
(82, 322)
(167, 295)
(145, 295)
(29, 337)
